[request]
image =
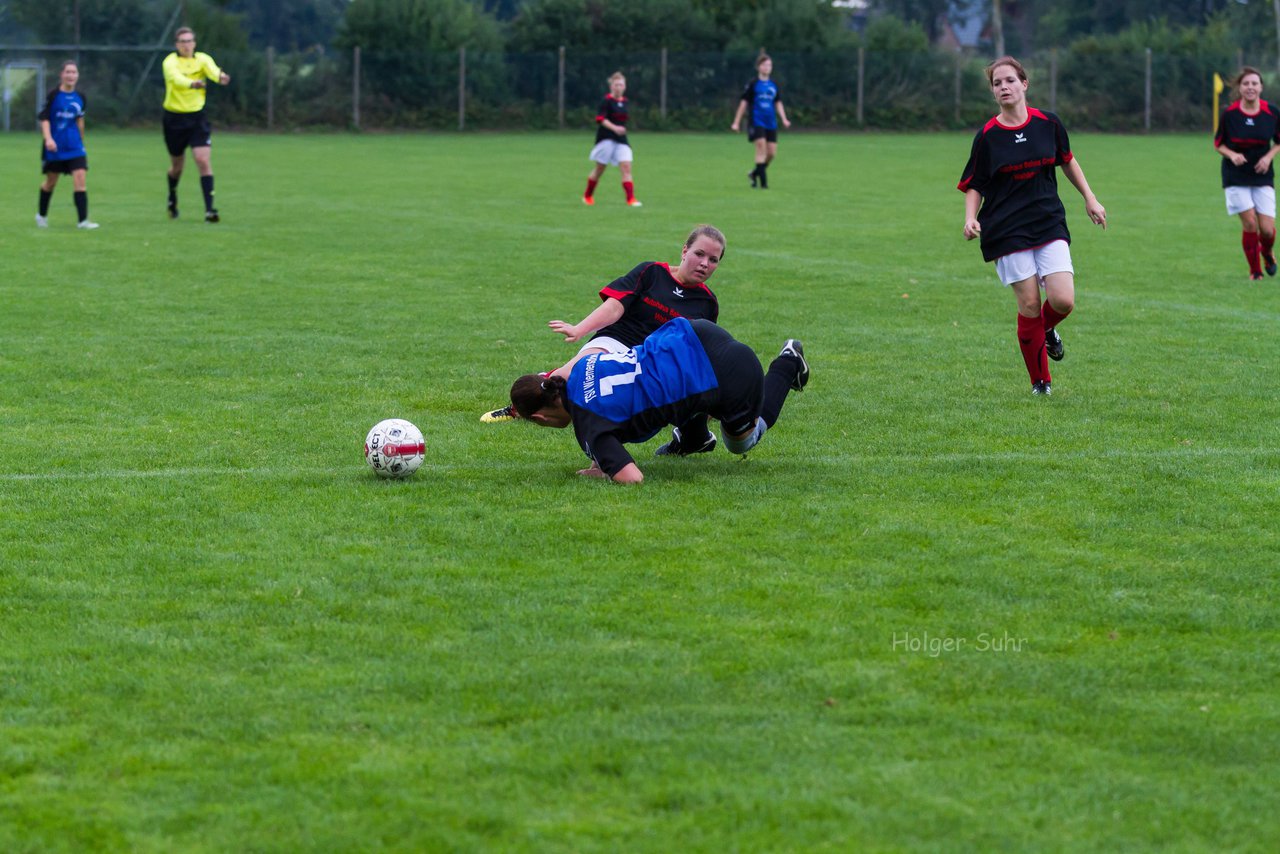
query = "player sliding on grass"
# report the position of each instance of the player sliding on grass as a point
(62, 126)
(187, 75)
(612, 148)
(1248, 138)
(1022, 223)
(641, 301)
(682, 370)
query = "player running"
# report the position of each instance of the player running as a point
(62, 126)
(683, 369)
(1248, 138)
(612, 148)
(761, 95)
(187, 74)
(1022, 223)
(636, 304)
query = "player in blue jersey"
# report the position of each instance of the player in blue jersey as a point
(762, 99)
(62, 126)
(683, 369)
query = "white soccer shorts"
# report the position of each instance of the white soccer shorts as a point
(1260, 199)
(611, 153)
(1053, 257)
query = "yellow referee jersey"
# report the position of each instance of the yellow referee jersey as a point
(179, 73)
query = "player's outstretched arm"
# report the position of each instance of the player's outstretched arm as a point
(608, 312)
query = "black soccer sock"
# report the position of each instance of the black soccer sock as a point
(777, 382)
(763, 169)
(206, 186)
(45, 196)
(173, 188)
(82, 204)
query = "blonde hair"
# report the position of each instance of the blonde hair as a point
(617, 75)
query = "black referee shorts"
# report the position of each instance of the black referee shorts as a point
(739, 375)
(186, 130)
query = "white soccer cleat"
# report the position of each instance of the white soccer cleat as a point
(87, 224)
(42, 221)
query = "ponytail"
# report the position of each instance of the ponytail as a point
(534, 392)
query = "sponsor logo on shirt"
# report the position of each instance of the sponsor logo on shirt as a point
(678, 292)
(1019, 137)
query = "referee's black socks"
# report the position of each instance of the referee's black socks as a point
(206, 186)
(173, 188)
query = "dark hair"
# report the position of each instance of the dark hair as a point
(178, 32)
(65, 63)
(1245, 71)
(1005, 60)
(533, 392)
(707, 231)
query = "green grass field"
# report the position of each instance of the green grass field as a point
(219, 631)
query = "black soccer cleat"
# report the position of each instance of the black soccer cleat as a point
(212, 216)
(1041, 387)
(1053, 345)
(795, 349)
(754, 181)
(676, 448)
(1269, 263)
(173, 209)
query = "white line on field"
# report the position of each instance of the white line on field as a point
(1186, 452)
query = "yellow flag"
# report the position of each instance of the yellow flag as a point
(1218, 86)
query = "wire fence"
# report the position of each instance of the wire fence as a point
(846, 89)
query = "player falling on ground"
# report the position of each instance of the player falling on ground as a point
(612, 148)
(1023, 226)
(681, 370)
(762, 98)
(187, 75)
(635, 305)
(62, 126)
(1248, 138)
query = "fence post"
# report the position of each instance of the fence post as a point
(662, 92)
(560, 89)
(959, 74)
(462, 88)
(862, 55)
(271, 81)
(355, 87)
(1053, 80)
(1146, 118)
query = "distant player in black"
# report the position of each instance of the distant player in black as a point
(612, 147)
(635, 305)
(1022, 223)
(764, 101)
(684, 369)
(1248, 138)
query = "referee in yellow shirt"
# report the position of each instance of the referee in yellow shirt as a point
(186, 76)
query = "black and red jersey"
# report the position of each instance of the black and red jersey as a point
(1014, 170)
(615, 110)
(651, 296)
(1252, 136)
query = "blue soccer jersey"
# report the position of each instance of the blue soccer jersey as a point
(62, 111)
(762, 95)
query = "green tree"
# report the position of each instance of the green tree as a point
(615, 25)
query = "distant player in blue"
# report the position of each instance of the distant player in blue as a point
(683, 369)
(761, 96)
(62, 126)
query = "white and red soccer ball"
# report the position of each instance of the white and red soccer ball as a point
(394, 448)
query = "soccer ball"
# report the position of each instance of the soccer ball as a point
(394, 448)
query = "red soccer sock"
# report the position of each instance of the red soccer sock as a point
(1031, 341)
(630, 187)
(591, 187)
(1051, 316)
(1249, 240)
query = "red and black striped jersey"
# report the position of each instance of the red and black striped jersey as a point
(1252, 136)
(615, 110)
(1014, 168)
(651, 296)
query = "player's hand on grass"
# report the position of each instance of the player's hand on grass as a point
(971, 229)
(568, 330)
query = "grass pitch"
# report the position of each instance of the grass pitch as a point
(928, 613)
